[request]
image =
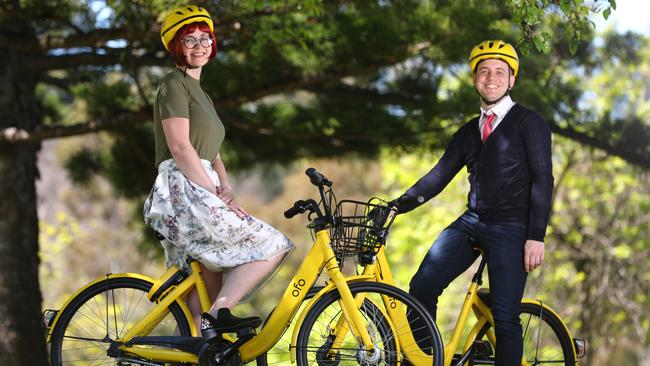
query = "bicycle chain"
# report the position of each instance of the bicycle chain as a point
(134, 361)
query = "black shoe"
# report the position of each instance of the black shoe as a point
(226, 323)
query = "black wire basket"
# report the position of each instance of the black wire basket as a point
(360, 227)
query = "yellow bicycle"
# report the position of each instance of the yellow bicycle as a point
(131, 319)
(547, 339)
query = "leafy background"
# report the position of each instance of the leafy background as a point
(367, 92)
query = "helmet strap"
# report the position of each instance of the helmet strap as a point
(494, 101)
(188, 67)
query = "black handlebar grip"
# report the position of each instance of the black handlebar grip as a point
(407, 199)
(406, 203)
(298, 208)
(314, 176)
(317, 178)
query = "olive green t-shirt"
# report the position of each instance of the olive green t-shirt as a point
(180, 95)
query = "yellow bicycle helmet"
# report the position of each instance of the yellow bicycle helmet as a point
(179, 17)
(494, 49)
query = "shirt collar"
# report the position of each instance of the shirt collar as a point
(501, 108)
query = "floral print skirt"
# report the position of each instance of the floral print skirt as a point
(198, 224)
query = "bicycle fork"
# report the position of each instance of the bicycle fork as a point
(351, 311)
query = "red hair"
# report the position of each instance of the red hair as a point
(176, 46)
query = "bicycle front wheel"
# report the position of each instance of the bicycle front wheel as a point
(102, 313)
(546, 340)
(325, 338)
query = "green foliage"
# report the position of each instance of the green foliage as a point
(598, 248)
(56, 238)
(50, 103)
(125, 159)
(121, 162)
(313, 74)
(529, 14)
(105, 99)
(413, 233)
(83, 166)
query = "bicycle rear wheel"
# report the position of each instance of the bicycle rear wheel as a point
(317, 343)
(546, 341)
(102, 313)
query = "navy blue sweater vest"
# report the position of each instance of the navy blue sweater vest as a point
(510, 176)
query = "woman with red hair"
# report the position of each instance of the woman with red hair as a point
(191, 203)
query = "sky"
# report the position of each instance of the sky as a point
(630, 15)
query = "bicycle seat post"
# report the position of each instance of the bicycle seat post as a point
(478, 275)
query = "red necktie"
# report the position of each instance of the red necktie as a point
(487, 127)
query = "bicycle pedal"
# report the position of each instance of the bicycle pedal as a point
(482, 349)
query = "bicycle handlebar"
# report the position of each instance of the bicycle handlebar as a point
(406, 202)
(317, 178)
(320, 181)
(300, 207)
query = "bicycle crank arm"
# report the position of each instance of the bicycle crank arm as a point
(218, 352)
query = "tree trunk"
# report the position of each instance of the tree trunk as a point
(21, 332)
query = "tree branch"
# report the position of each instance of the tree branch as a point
(224, 25)
(305, 82)
(333, 140)
(370, 94)
(61, 83)
(93, 38)
(14, 135)
(92, 58)
(635, 158)
(288, 85)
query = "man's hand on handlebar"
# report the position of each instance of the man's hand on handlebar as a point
(405, 203)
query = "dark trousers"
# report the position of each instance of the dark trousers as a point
(451, 254)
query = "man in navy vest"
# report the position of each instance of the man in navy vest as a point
(507, 152)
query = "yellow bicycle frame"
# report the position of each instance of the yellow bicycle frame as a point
(394, 314)
(380, 271)
(320, 256)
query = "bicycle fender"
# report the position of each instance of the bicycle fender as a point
(479, 324)
(327, 288)
(566, 329)
(108, 276)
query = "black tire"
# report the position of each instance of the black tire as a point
(100, 314)
(314, 338)
(546, 341)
